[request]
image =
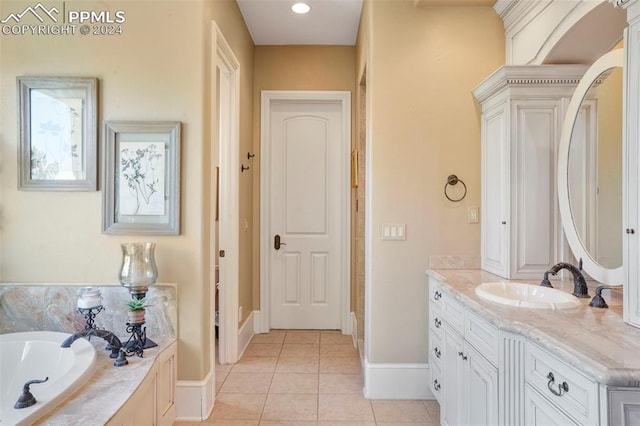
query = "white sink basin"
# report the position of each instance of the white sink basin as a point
(523, 295)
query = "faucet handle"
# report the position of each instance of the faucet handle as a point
(545, 281)
(580, 264)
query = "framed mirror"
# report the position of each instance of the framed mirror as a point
(590, 170)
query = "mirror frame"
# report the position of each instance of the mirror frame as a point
(615, 276)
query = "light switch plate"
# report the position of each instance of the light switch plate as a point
(473, 215)
(394, 232)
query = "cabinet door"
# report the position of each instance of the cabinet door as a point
(533, 229)
(540, 412)
(481, 387)
(631, 161)
(452, 379)
(624, 407)
(495, 192)
(144, 412)
(166, 387)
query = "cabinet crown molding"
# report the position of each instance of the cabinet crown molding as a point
(533, 76)
(513, 11)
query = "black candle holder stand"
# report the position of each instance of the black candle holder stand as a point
(90, 316)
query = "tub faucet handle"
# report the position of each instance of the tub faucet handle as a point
(26, 399)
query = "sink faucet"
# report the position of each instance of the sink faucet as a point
(114, 344)
(579, 283)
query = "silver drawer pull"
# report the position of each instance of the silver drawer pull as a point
(437, 352)
(461, 354)
(562, 387)
(437, 295)
(436, 385)
(437, 322)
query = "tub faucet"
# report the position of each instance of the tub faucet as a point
(26, 398)
(579, 283)
(114, 344)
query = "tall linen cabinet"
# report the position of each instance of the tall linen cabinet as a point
(631, 162)
(523, 109)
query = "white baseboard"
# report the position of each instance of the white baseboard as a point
(245, 334)
(194, 399)
(396, 381)
(358, 341)
(257, 322)
(354, 329)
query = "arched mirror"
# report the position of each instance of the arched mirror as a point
(590, 170)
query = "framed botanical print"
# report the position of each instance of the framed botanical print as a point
(141, 177)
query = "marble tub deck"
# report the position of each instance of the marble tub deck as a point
(29, 307)
(107, 391)
(594, 341)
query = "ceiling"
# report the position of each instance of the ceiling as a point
(330, 22)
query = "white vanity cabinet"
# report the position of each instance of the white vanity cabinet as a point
(464, 376)
(491, 368)
(555, 390)
(522, 112)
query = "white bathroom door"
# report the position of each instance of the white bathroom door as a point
(306, 141)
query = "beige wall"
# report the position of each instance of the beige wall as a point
(422, 65)
(227, 16)
(294, 68)
(159, 69)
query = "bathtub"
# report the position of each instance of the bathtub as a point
(36, 355)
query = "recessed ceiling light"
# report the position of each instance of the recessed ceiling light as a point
(301, 8)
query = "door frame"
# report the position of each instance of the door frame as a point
(228, 151)
(268, 97)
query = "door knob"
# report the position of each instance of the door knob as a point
(276, 242)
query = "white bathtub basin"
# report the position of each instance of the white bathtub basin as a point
(36, 355)
(526, 295)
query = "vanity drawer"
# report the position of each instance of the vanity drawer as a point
(482, 335)
(453, 313)
(436, 379)
(444, 308)
(435, 318)
(435, 293)
(435, 306)
(435, 311)
(562, 385)
(435, 346)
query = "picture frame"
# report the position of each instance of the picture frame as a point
(58, 134)
(141, 177)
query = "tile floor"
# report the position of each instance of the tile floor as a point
(304, 378)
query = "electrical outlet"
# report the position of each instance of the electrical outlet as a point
(473, 215)
(240, 314)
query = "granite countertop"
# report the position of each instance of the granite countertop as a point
(594, 341)
(108, 389)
